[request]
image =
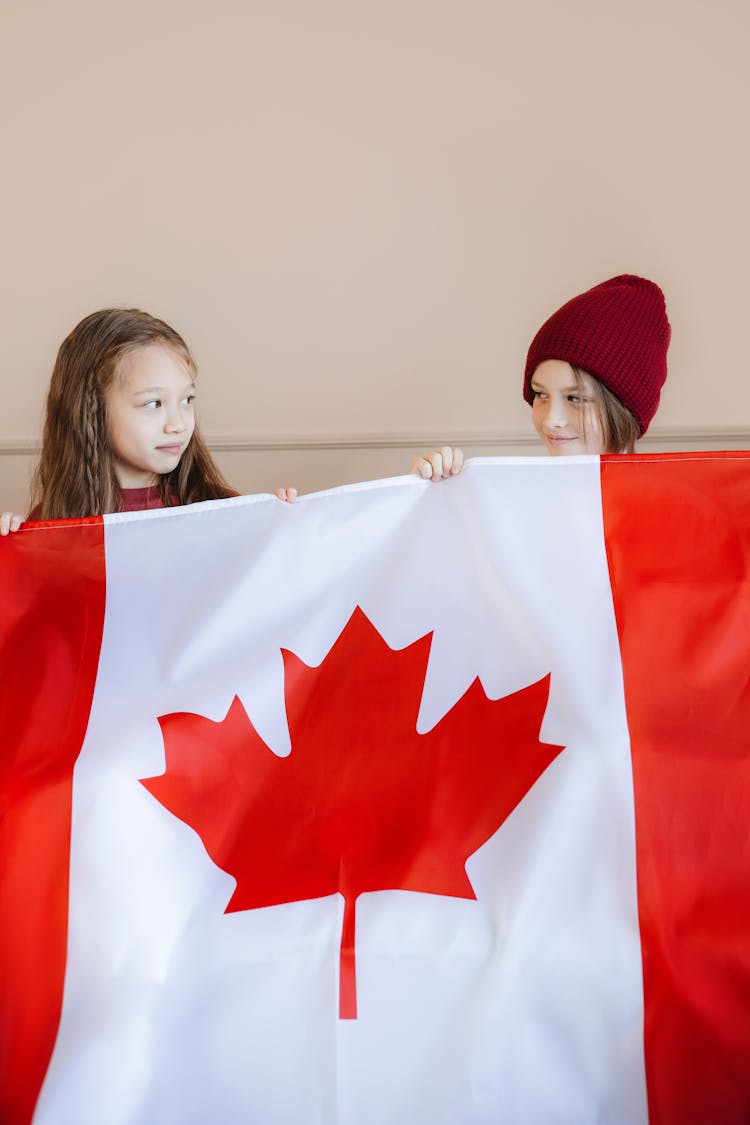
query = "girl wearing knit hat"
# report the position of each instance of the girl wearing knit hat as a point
(593, 373)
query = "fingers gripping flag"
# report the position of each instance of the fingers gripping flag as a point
(404, 803)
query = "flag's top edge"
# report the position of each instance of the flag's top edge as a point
(411, 480)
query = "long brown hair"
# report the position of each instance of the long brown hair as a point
(76, 472)
(620, 428)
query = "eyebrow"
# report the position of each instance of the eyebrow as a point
(564, 390)
(157, 390)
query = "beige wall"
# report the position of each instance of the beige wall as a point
(359, 212)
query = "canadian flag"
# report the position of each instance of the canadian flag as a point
(406, 803)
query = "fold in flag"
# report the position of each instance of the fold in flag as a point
(405, 803)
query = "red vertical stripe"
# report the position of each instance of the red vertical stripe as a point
(678, 542)
(52, 588)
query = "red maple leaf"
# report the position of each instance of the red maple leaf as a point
(363, 802)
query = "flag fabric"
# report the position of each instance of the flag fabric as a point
(404, 803)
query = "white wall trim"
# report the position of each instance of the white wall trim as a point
(718, 437)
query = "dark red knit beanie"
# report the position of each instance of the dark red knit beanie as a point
(618, 332)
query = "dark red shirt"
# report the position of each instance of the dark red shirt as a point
(140, 499)
(132, 500)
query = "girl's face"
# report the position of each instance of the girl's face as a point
(150, 410)
(566, 417)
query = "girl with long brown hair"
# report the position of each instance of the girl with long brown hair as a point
(120, 432)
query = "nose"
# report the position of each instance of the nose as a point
(555, 414)
(174, 423)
